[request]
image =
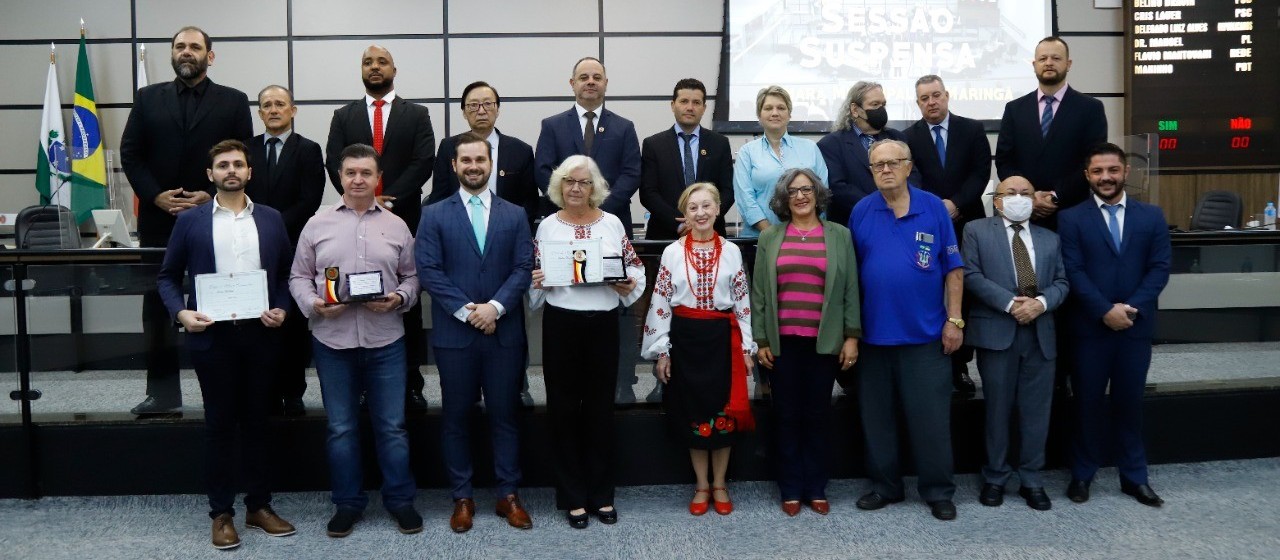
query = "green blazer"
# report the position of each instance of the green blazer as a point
(841, 311)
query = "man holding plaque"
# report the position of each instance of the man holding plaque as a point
(474, 257)
(353, 276)
(236, 254)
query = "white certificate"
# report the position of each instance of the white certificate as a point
(576, 262)
(231, 296)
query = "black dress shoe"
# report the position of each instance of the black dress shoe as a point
(944, 510)
(873, 501)
(578, 521)
(607, 517)
(1078, 491)
(991, 495)
(1143, 493)
(962, 382)
(152, 405)
(1036, 498)
(413, 400)
(293, 407)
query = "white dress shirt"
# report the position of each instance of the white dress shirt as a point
(386, 109)
(493, 165)
(582, 118)
(235, 239)
(1025, 234)
(1106, 214)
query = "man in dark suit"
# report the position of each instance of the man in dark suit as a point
(474, 257)
(290, 179)
(512, 178)
(864, 120)
(164, 152)
(1045, 134)
(1117, 255)
(591, 130)
(234, 359)
(401, 133)
(680, 156)
(1013, 271)
(954, 160)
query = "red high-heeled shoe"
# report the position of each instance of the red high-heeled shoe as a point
(725, 507)
(699, 508)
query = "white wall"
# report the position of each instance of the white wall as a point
(526, 49)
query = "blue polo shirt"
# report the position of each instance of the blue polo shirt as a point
(902, 268)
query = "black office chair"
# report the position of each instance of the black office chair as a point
(46, 227)
(1217, 210)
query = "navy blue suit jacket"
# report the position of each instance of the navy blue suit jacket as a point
(616, 149)
(1101, 276)
(190, 251)
(455, 272)
(968, 168)
(849, 170)
(1054, 162)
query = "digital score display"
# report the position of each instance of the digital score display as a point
(1205, 76)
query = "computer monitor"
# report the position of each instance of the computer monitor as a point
(111, 229)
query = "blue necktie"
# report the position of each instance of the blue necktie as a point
(688, 158)
(866, 142)
(477, 220)
(1047, 116)
(1114, 224)
(939, 143)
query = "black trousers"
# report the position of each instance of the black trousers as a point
(161, 334)
(802, 380)
(580, 364)
(295, 341)
(415, 345)
(236, 374)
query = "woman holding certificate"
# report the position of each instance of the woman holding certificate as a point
(584, 270)
(699, 331)
(806, 321)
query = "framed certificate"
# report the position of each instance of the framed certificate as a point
(579, 262)
(232, 296)
(614, 269)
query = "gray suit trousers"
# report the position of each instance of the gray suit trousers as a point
(1016, 378)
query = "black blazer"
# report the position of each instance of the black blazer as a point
(158, 154)
(849, 172)
(662, 177)
(296, 184)
(408, 150)
(968, 164)
(514, 169)
(1054, 162)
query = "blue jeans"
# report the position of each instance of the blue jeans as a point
(379, 374)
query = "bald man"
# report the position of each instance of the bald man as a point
(401, 133)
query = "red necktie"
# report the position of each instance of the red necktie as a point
(377, 136)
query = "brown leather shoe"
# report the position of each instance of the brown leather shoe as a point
(510, 508)
(224, 532)
(463, 510)
(266, 520)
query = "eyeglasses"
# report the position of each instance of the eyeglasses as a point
(892, 165)
(474, 106)
(571, 183)
(807, 191)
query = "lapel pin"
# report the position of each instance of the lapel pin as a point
(502, 173)
(703, 152)
(601, 129)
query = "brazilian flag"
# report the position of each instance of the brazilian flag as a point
(88, 165)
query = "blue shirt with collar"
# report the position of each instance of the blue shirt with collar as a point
(757, 171)
(902, 267)
(694, 142)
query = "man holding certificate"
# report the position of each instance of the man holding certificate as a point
(236, 255)
(353, 276)
(474, 257)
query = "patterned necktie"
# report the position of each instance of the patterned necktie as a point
(1114, 223)
(940, 144)
(688, 158)
(866, 142)
(272, 154)
(589, 132)
(1046, 118)
(477, 220)
(377, 136)
(1022, 264)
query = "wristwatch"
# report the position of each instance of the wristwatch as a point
(958, 322)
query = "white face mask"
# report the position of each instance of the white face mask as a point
(1017, 208)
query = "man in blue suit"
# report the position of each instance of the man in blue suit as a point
(1117, 252)
(235, 360)
(474, 256)
(591, 130)
(864, 121)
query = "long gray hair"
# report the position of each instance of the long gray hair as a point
(857, 93)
